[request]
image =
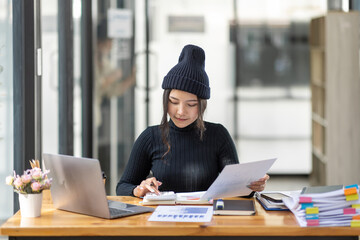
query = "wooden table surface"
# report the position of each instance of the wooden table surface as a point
(54, 222)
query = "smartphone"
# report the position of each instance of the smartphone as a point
(274, 197)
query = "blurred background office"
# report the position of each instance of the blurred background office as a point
(83, 78)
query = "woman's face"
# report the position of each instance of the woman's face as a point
(183, 108)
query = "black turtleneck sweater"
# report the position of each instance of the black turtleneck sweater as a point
(191, 165)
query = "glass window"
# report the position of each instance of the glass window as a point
(50, 94)
(50, 80)
(77, 77)
(274, 106)
(114, 92)
(6, 108)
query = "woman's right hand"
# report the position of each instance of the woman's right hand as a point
(148, 185)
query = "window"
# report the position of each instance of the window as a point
(6, 108)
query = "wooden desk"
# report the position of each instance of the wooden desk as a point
(264, 225)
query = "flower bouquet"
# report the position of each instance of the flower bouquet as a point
(30, 186)
(32, 181)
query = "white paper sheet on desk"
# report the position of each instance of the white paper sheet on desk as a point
(234, 179)
(182, 214)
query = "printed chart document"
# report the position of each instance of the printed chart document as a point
(234, 179)
(182, 214)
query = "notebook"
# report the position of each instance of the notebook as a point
(272, 200)
(234, 207)
(77, 186)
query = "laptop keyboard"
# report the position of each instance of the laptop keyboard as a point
(118, 212)
(121, 209)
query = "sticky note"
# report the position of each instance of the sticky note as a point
(349, 211)
(351, 186)
(355, 205)
(314, 222)
(306, 205)
(352, 197)
(305, 200)
(311, 216)
(312, 210)
(350, 191)
(355, 223)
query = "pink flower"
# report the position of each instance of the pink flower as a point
(32, 181)
(18, 183)
(9, 180)
(26, 178)
(35, 186)
(36, 173)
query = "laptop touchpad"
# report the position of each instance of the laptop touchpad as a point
(118, 205)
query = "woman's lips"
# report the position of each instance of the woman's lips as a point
(181, 119)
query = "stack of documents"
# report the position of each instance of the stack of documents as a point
(339, 207)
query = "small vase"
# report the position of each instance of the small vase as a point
(30, 204)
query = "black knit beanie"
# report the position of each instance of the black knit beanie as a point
(189, 73)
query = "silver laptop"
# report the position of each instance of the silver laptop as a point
(77, 186)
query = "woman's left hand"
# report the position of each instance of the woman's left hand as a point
(260, 184)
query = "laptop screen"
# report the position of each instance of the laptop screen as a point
(77, 184)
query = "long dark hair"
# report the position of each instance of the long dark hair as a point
(164, 125)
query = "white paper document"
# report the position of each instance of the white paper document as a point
(182, 214)
(234, 179)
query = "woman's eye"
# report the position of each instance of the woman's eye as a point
(192, 105)
(173, 102)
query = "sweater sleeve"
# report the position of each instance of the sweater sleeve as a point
(138, 166)
(227, 153)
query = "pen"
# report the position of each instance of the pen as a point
(154, 189)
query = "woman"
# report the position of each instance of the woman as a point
(184, 154)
